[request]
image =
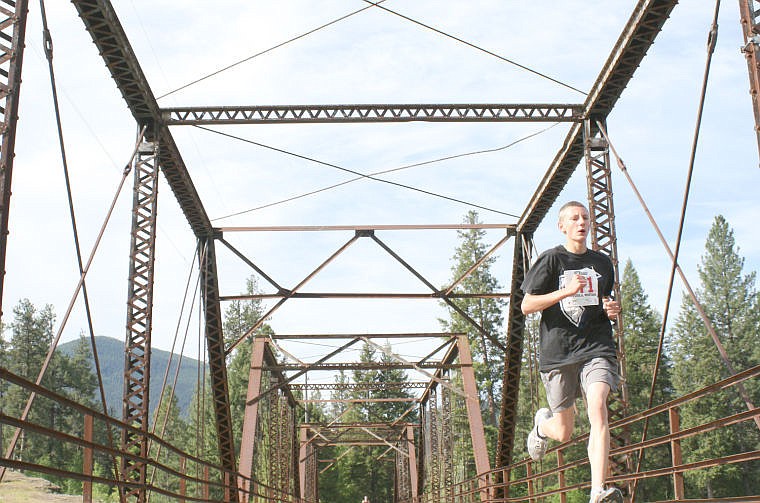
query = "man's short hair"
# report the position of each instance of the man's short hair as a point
(570, 204)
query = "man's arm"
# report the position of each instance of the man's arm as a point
(533, 303)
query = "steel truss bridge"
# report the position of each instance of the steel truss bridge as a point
(422, 449)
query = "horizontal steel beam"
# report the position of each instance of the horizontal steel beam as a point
(510, 228)
(289, 114)
(309, 367)
(395, 335)
(365, 295)
(368, 386)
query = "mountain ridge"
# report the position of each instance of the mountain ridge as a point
(111, 358)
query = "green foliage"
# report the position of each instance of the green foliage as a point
(488, 358)
(24, 354)
(730, 301)
(641, 329)
(365, 470)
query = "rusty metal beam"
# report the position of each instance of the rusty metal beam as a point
(637, 37)
(289, 114)
(472, 404)
(749, 10)
(394, 335)
(217, 361)
(366, 295)
(513, 356)
(114, 47)
(412, 449)
(509, 228)
(251, 415)
(13, 32)
(604, 239)
(311, 367)
(135, 407)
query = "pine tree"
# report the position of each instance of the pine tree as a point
(32, 333)
(730, 300)
(488, 358)
(239, 317)
(368, 470)
(641, 328)
(169, 426)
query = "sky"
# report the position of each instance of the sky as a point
(274, 56)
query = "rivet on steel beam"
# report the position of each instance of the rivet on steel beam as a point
(597, 143)
(753, 41)
(365, 233)
(146, 147)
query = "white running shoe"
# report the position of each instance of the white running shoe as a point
(537, 445)
(609, 495)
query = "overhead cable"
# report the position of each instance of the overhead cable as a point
(359, 174)
(481, 49)
(382, 172)
(224, 69)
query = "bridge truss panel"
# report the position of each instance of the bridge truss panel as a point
(372, 113)
(750, 21)
(12, 30)
(139, 319)
(217, 363)
(604, 239)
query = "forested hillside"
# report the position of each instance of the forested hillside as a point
(111, 357)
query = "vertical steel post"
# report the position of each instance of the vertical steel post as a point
(603, 239)
(413, 487)
(474, 418)
(13, 32)
(217, 363)
(435, 454)
(675, 454)
(748, 10)
(447, 441)
(561, 475)
(472, 404)
(250, 418)
(87, 460)
(182, 481)
(303, 454)
(139, 320)
(513, 358)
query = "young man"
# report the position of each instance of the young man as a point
(571, 286)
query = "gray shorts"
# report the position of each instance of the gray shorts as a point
(565, 384)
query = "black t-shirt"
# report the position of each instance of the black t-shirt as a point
(575, 329)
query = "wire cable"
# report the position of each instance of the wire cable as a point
(408, 166)
(281, 44)
(481, 49)
(359, 174)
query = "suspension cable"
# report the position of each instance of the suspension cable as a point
(260, 53)
(391, 170)
(490, 53)
(47, 42)
(162, 397)
(75, 294)
(359, 174)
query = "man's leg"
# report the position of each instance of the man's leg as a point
(599, 435)
(560, 426)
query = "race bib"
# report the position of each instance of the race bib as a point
(589, 296)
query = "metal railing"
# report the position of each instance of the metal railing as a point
(531, 481)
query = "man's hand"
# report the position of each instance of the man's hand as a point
(577, 284)
(611, 307)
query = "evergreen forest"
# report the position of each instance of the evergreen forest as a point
(658, 369)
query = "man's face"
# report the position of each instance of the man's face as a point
(574, 223)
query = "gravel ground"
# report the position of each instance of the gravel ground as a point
(19, 488)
